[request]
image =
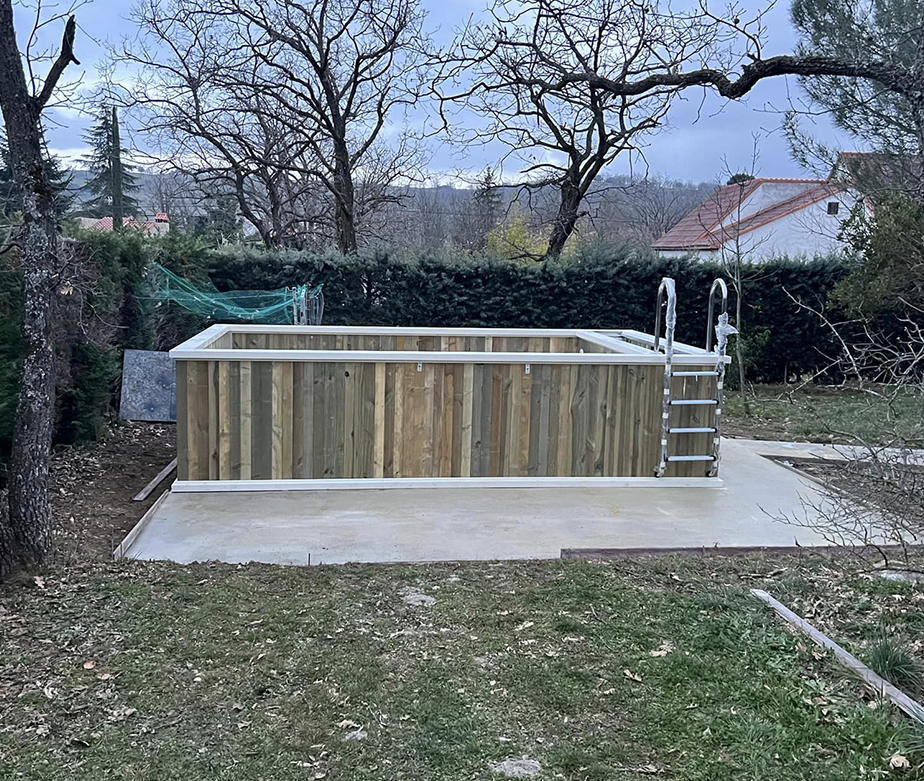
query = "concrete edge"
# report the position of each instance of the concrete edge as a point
(122, 547)
(727, 550)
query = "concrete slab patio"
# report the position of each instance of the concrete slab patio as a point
(401, 525)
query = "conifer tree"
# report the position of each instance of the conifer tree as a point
(111, 180)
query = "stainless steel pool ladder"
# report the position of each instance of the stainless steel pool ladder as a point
(667, 286)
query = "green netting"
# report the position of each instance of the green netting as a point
(291, 305)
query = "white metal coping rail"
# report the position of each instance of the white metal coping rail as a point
(722, 330)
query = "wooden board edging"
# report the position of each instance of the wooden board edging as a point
(122, 547)
(145, 492)
(876, 682)
(691, 550)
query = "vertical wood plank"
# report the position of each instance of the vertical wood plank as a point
(398, 424)
(428, 464)
(445, 419)
(467, 414)
(364, 421)
(213, 419)
(182, 421)
(378, 458)
(224, 420)
(246, 420)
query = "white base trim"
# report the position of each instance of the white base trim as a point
(353, 484)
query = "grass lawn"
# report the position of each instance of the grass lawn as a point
(628, 670)
(823, 414)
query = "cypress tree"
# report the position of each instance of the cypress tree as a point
(111, 180)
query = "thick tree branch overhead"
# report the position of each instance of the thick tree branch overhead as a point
(65, 57)
(731, 87)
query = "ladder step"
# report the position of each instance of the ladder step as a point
(692, 402)
(703, 430)
(695, 374)
(691, 458)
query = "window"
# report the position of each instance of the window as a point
(833, 207)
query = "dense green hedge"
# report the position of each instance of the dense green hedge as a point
(613, 290)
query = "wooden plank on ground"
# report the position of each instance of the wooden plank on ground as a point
(876, 682)
(145, 492)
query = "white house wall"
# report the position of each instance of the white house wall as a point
(765, 196)
(806, 233)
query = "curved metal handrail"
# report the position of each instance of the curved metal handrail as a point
(667, 284)
(718, 284)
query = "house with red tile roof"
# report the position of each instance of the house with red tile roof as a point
(156, 227)
(764, 218)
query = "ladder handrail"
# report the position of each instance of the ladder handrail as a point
(670, 321)
(667, 284)
(718, 284)
(722, 330)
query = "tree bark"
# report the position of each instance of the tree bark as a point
(345, 196)
(565, 220)
(115, 170)
(25, 537)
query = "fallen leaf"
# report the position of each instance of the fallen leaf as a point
(632, 676)
(524, 625)
(39, 581)
(662, 650)
(348, 724)
(89, 664)
(899, 762)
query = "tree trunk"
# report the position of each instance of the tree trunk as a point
(565, 220)
(115, 167)
(346, 199)
(25, 537)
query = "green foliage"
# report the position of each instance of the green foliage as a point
(100, 164)
(896, 663)
(740, 178)
(10, 199)
(890, 247)
(10, 352)
(515, 237)
(596, 288)
(84, 407)
(222, 224)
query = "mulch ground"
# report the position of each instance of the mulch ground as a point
(92, 488)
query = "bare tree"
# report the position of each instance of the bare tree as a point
(281, 98)
(26, 538)
(872, 494)
(565, 132)
(873, 63)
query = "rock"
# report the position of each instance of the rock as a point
(517, 768)
(902, 576)
(416, 599)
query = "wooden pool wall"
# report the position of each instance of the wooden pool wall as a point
(513, 404)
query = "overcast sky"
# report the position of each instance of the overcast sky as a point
(704, 131)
